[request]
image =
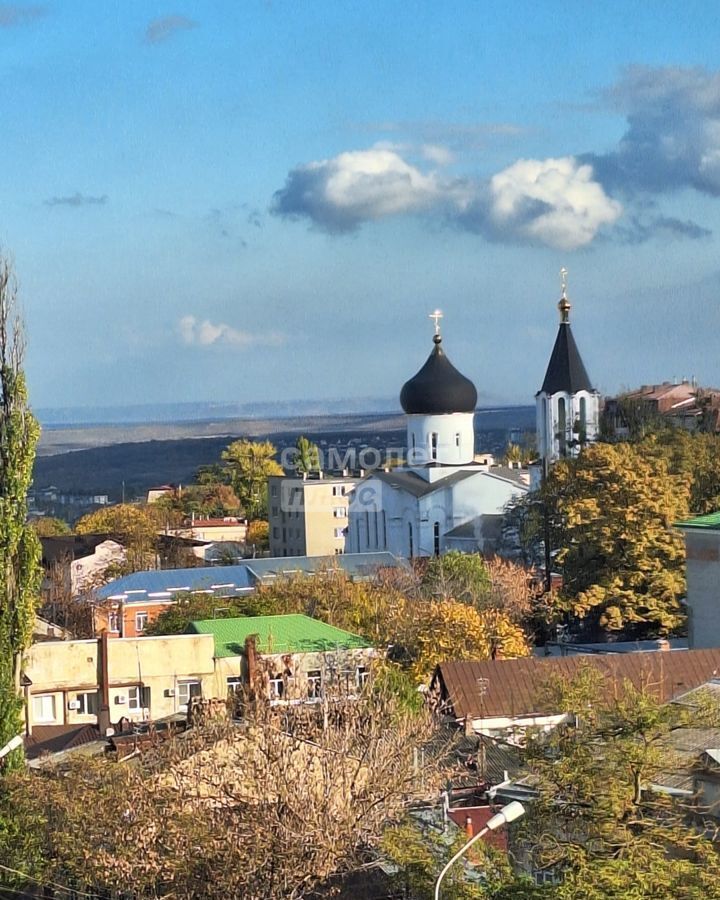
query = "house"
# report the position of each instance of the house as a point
(415, 509)
(702, 552)
(502, 697)
(142, 679)
(126, 606)
(76, 563)
(307, 516)
(683, 403)
(287, 658)
(227, 528)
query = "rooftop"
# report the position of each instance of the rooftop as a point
(510, 687)
(710, 521)
(566, 371)
(276, 634)
(226, 581)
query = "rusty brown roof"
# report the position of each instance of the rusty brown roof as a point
(509, 687)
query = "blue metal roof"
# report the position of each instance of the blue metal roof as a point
(226, 581)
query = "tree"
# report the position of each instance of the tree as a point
(211, 499)
(48, 526)
(305, 793)
(612, 510)
(307, 457)
(597, 821)
(20, 571)
(457, 576)
(140, 525)
(188, 607)
(250, 464)
(258, 534)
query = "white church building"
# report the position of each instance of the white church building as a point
(567, 405)
(442, 498)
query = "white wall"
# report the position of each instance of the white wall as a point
(703, 587)
(455, 439)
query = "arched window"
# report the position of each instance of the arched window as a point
(433, 445)
(436, 539)
(582, 430)
(410, 536)
(562, 426)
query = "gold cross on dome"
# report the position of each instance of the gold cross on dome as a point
(437, 315)
(563, 280)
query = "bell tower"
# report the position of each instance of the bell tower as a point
(567, 405)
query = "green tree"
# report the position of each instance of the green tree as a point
(191, 607)
(19, 545)
(596, 821)
(612, 510)
(457, 576)
(307, 457)
(138, 524)
(48, 526)
(250, 464)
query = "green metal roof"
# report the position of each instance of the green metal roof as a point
(711, 520)
(276, 634)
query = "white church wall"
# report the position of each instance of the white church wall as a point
(447, 439)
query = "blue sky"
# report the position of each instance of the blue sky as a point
(260, 201)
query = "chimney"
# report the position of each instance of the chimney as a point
(468, 826)
(103, 667)
(663, 644)
(252, 666)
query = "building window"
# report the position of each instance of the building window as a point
(276, 686)
(410, 535)
(273, 490)
(186, 691)
(433, 445)
(87, 703)
(138, 698)
(234, 684)
(436, 539)
(562, 426)
(582, 429)
(141, 620)
(276, 532)
(339, 532)
(275, 511)
(457, 438)
(362, 673)
(337, 491)
(43, 706)
(114, 622)
(314, 678)
(340, 512)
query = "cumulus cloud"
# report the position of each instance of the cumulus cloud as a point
(162, 29)
(672, 139)
(555, 202)
(341, 193)
(12, 14)
(76, 200)
(208, 334)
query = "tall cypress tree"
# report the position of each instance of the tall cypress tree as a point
(20, 571)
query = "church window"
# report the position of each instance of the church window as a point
(410, 535)
(582, 431)
(433, 445)
(367, 527)
(457, 439)
(562, 426)
(436, 539)
(376, 517)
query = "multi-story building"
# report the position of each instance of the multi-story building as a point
(309, 516)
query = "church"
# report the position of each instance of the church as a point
(444, 498)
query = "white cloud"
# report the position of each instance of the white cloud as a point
(339, 194)
(207, 334)
(438, 154)
(553, 201)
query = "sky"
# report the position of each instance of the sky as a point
(264, 200)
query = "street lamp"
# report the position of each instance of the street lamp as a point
(507, 814)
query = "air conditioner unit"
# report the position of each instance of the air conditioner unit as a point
(120, 699)
(169, 692)
(74, 704)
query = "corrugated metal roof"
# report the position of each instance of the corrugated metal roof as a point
(224, 581)
(510, 687)
(276, 634)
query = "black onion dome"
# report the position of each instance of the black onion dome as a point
(438, 388)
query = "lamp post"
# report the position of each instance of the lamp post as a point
(507, 814)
